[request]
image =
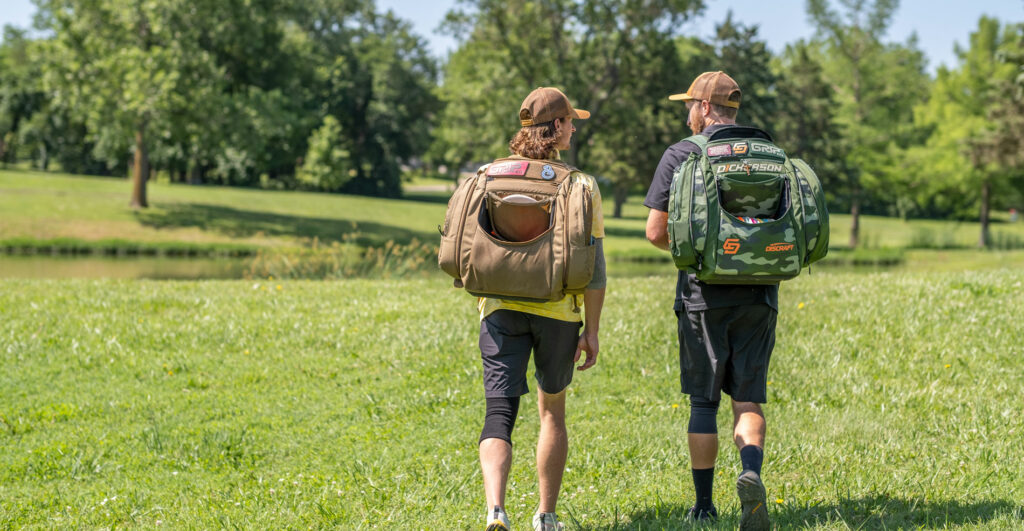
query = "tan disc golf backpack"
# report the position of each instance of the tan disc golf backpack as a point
(557, 262)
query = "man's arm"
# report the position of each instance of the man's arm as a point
(593, 301)
(658, 195)
(657, 228)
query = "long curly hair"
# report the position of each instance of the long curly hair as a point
(535, 141)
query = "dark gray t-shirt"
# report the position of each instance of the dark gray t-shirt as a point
(692, 294)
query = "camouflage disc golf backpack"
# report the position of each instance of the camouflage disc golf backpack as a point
(550, 265)
(742, 212)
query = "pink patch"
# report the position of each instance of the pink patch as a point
(720, 150)
(508, 168)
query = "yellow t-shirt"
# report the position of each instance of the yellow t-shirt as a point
(562, 310)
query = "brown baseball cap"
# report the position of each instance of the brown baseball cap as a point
(545, 104)
(716, 87)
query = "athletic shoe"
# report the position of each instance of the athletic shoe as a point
(752, 498)
(546, 522)
(701, 515)
(497, 520)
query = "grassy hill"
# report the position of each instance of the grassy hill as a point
(46, 206)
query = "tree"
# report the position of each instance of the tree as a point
(327, 164)
(804, 120)
(230, 91)
(976, 118)
(748, 61)
(374, 77)
(120, 65)
(21, 96)
(615, 59)
(876, 86)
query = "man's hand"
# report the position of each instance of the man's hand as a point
(588, 344)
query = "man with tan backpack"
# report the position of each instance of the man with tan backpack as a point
(525, 235)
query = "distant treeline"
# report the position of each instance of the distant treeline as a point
(334, 95)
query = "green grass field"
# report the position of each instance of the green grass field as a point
(894, 403)
(356, 404)
(46, 207)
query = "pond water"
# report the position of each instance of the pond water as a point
(135, 267)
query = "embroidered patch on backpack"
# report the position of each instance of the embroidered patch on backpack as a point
(720, 150)
(508, 168)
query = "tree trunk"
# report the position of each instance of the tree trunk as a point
(44, 157)
(986, 191)
(621, 193)
(195, 175)
(574, 154)
(140, 169)
(855, 221)
(3, 151)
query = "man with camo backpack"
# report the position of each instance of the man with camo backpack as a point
(726, 332)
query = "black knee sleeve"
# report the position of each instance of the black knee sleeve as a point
(703, 415)
(500, 418)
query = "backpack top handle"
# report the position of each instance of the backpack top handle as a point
(740, 131)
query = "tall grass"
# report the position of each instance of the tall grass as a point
(346, 259)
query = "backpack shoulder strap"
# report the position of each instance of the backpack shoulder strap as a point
(700, 140)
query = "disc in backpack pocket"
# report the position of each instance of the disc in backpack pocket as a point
(519, 217)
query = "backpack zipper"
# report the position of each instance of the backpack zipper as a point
(565, 238)
(805, 188)
(462, 223)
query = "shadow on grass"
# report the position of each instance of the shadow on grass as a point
(608, 215)
(871, 512)
(238, 223)
(428, 197)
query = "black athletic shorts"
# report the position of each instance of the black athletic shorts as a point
(726, 349)
(506, 339)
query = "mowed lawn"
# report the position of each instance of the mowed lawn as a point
(895, 402)
(42, 207)
(48, 206)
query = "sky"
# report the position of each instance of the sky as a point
(938, 23)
